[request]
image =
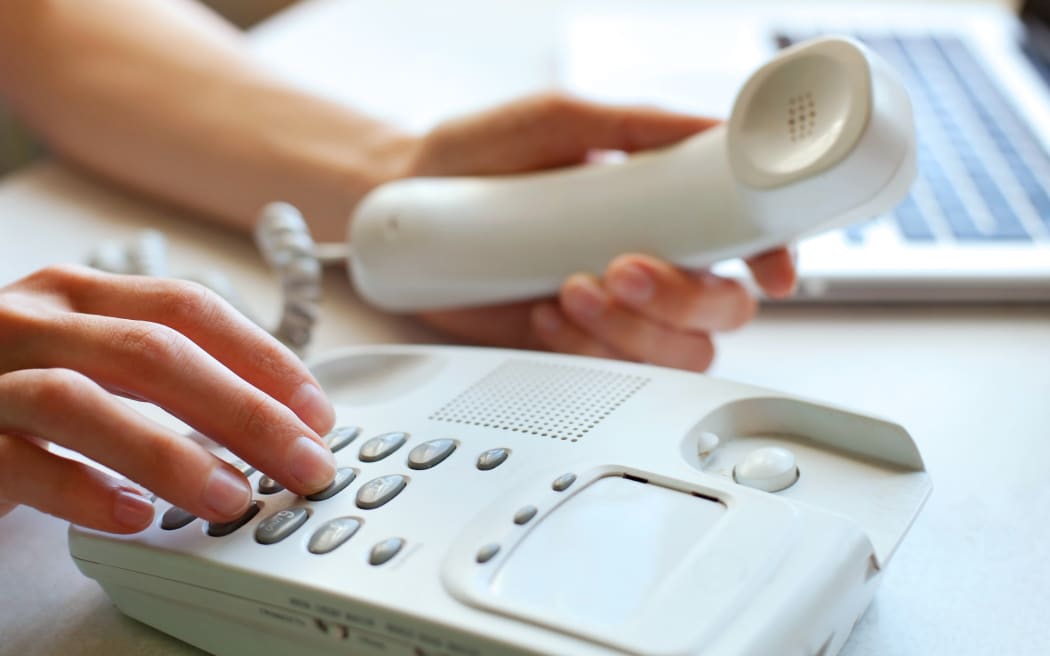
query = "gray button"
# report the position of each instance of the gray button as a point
(428, 454)
(243, 467)
(486, 553)
(341, 436)
(333, 534)
(269, 486)
(343, 477)
(563, 482)
(524, 515)
(175, 518)
(492, 458)
(378, 491)
(280, 525)
(219, 529)
(381, 446)
(385, 550)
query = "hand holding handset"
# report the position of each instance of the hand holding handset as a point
(819, 137)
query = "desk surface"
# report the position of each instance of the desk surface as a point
(971, 383)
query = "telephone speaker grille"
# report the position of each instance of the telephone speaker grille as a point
(562, 402)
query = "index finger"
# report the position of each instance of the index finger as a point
(211, 323)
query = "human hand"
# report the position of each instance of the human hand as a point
(71, 337)
(640, 308)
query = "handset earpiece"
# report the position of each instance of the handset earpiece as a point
(820, 136)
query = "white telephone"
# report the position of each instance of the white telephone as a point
(502, 502)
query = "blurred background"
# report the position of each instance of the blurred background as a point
(17, 147)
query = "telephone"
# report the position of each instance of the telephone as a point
(502, 502)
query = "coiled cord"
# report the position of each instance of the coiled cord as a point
(287, 247)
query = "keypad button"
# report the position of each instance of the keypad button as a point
(333, 534)
(428, 454)
(220, 529)
(563, 482)
(378, 491)
(280, 525)
(487, 553)
(343, 477)
(341, 436)
(385, 550)
(242, 467)
(381, 446)
(175, 518)
(492, 458)
(524, 515)
(269, 486)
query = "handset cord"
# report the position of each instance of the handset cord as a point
(287, 247)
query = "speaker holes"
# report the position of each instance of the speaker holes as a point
(560, 402)
(801, 116)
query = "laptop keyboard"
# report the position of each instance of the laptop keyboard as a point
(982, 173)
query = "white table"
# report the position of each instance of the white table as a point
(971, 383)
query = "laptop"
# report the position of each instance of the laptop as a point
(976, 225)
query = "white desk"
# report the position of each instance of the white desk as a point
(972, 384)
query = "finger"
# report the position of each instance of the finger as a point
(660, 291)
(109, 432)
(154, 362)
(547, 131)
(775, 272)
(555, 332)
(628, 332)
(71, 490)
(209, 321)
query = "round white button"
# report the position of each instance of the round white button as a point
(771, 468)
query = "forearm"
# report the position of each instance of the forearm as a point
(163, 97)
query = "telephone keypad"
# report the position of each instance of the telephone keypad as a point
(524, 515)
(487, 553)
(428, 454)
(341, 436)
(381, 446)
(176, 518)
(280, 525)
(563, 482)
(343, 477)
(269, 486)
(221, 529)
(378, 491)
(333, 534)
(492, 458)
(385, 550)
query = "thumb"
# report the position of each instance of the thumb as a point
(548, 131)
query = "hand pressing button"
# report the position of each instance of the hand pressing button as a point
(770, 468)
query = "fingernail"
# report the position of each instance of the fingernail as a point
(313, 407)
(585, 299)
(547, 319)
(311, 464)
(632, 284)
(226, 493)
(132, 510)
